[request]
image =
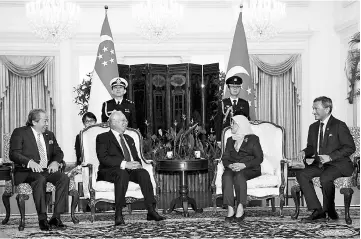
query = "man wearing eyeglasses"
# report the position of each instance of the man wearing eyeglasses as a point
(119, 103)
(88, 119)
(119, 163)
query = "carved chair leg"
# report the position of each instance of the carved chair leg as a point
(6, 201)
(20, 198)
(282, 203)
(214, 200)
(48, 201)
(129, 206)
(273, 203)
(295, 192)
(92, 210)
(74, 203)
(347, 192)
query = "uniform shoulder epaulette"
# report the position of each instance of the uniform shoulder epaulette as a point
(129, 101)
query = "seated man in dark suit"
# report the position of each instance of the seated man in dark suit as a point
(88, 119)
(119, 163)
(37, 156)
(327, 155)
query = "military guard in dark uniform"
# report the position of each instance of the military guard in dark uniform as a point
(231, 106)
(119, 103)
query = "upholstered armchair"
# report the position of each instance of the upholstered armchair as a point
(344, 183)
(23, 190)
(96, 191)
(272, 183)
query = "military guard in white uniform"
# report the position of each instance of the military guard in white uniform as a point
(119, 103)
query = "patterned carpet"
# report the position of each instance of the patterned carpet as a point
(259, 223)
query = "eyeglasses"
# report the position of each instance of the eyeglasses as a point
(89, 121)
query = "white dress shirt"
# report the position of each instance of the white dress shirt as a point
(42, 142)
(325, 121)
(117, 136)
(234, 99)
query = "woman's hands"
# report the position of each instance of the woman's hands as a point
(237, 166)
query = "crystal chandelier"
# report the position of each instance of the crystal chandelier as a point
(260, 18)
(53, 20)
(158, 19)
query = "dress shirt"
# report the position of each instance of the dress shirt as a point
(117, 136)
(42, 141)
(325, 121)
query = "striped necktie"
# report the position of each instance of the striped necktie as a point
(43, 160)
(125, 149)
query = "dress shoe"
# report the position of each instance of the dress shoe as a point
(240, 219)
(317, 215)
(119, 220)
(332, 214)
(56, 223)
(44, 225)
(154, 216)
(230, 219)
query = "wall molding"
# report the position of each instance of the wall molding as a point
(130, 3)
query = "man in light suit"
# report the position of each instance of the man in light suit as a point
(37, 156)
(327, 155)
(119, 163)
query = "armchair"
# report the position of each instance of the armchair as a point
(344, 183)
(23, 190)
(96, 191)
(270, 184)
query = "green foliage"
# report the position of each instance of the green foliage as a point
(83, 93)
(352, 66)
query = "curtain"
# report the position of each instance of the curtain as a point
(26, 82)
(277, 81)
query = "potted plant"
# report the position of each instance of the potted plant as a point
(352, 67)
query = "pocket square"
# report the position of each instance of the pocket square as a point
(51, 142)
(330, 135)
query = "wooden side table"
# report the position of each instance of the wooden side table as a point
(183, 167)
(5, 172)
(292, 170)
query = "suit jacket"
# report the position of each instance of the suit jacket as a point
(23, 148)
(78, 150)
(241, 108)
(110, 154)
(337, 143)
(250, 153)
(127, 107)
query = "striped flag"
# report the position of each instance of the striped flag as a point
(238, 64)
(105, 69)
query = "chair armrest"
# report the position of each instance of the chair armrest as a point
(90, 167)
(11, 165)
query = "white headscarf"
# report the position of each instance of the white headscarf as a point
(244, 128)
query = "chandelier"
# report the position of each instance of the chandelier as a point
(158, 20)
(53, 20)
(260, 18)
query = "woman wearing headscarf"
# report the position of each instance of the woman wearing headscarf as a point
(242, 160)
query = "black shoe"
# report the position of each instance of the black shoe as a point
(317, 215)
(119, 220)
(240, 219)
(229, 219)
(154, 216)
(332, 214)
(56, 223)
(44, 225)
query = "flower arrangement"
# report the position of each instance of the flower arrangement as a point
(352, 67)
(174, 144)
(83, 93)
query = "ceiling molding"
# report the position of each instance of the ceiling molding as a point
(129, 3)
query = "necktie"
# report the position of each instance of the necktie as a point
(125, 149)
(321, 139)
(234, 102)
(42, 153)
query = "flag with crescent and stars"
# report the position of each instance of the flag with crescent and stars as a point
(239, 65)
(105, 69)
